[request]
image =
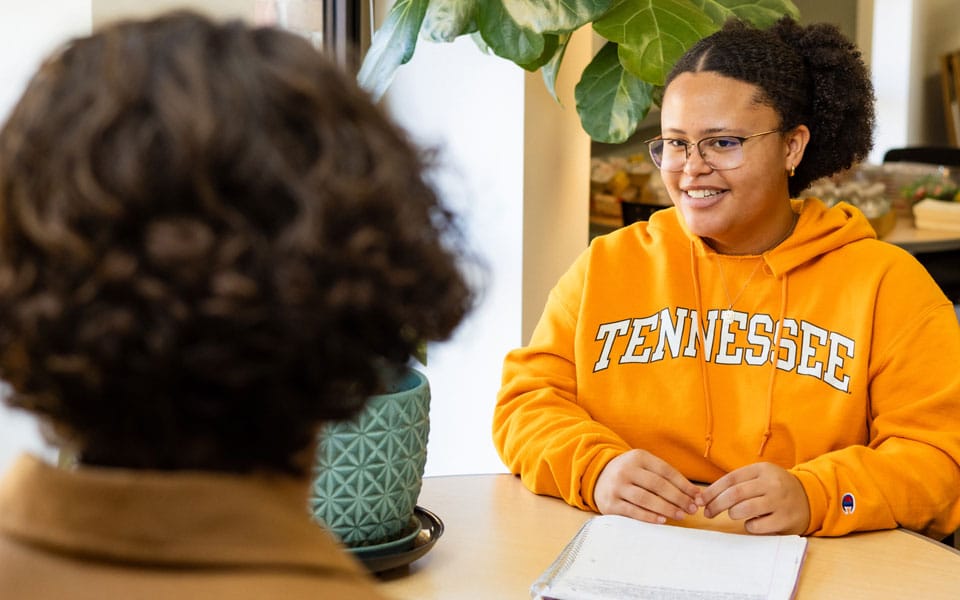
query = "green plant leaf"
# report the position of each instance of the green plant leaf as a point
(555, 16)
(505, 37)
(552, 68)
(611, 101)
(760, 13)
(653, 34)
(446, 20)
(551, 43)
(392, 45)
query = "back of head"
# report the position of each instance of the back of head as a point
(210, 242)
(811, 75)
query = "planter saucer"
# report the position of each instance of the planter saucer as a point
(401, 544)
(401, 552)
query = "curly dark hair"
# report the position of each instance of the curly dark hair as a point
(811, 75)
(211, 241)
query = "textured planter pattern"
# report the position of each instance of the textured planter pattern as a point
(369, 470)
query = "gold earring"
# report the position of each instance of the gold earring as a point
(793, 171)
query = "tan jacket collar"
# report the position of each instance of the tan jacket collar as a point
(166, 518)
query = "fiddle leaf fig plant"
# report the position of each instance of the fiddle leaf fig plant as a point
(644, 38)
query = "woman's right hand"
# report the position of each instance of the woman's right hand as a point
(640, 485)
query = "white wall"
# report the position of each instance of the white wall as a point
(28, 32)
(107, 10)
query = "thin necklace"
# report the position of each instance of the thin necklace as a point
(726, 315)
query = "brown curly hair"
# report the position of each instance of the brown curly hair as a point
(811, 75)
(211, 241)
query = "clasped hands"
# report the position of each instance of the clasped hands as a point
(765, 496)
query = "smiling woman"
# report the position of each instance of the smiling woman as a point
(768, 347)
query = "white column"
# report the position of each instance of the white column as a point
(516, 165)
(897, 90)
(470, 107)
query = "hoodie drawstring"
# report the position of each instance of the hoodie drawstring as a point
(708, 405)
(773, 364)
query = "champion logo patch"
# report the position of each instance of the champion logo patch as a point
(848, 504)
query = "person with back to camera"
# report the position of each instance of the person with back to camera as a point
(768, 348)
(211, 242)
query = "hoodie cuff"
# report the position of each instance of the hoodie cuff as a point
(816, 499)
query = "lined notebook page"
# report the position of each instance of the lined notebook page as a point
(614, 557)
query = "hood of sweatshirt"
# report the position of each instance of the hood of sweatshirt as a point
(818, 231)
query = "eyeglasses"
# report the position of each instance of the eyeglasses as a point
(720, 152)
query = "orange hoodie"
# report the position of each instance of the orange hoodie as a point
(840, 362)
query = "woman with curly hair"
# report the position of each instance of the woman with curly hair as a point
(743, 351)
(211, 242)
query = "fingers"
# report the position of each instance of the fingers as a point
(669, 483)
(659, 496)
(642, 486)
(767, 497)
(729, 490)
(646, 506)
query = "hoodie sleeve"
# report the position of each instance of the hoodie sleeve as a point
(909, 473)
(539, 428)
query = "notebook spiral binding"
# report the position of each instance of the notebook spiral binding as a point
(564, 560)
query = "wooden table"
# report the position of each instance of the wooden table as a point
(499, 537)
(914, 240)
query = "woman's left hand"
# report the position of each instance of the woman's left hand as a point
(768, 498)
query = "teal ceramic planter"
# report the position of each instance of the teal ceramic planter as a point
(369, 470)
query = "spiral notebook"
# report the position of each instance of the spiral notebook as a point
(614, 557)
